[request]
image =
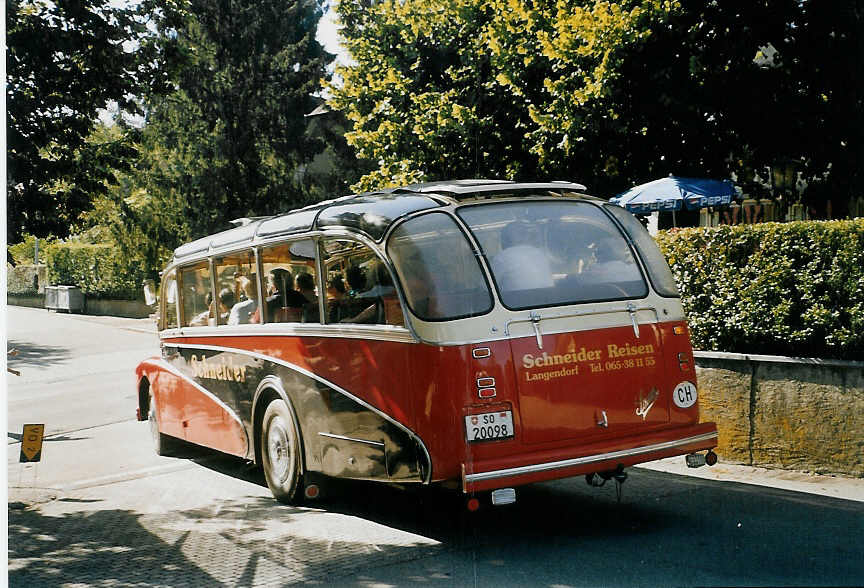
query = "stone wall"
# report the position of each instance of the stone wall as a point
(93, 306)
(26, 279)
(783, 412)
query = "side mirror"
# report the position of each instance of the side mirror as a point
(150, 297)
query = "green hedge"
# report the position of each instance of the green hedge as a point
(779, 289)
(101, 271)
(24, 251)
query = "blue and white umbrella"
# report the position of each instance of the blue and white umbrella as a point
(674, 193)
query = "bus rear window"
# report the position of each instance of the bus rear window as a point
(439, 272)
(658, 270)
(554, 253)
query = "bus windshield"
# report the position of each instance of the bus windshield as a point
(554, 253)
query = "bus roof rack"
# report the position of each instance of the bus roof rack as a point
(246, 220)
(463, 188)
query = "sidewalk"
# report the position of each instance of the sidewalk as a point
(841, 487)
(31, 484)
(142, 325)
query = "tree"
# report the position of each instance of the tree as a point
(65, 61)
(568, 60)
(145, 228)
(423, 96)
(606, 93)
(231, 140)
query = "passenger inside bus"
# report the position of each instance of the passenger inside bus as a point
(356, 280)
(283, 303)
(569, 250)
(614, 273)
(306, 287)
(243, 311)
(201, 319)
(523, 262)
(335, 297)
(237, 278)
(370, 306)
(226, 301)
(612, 261)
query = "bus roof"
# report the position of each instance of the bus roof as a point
(371, 213)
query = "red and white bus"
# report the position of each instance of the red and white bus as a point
(477, 334)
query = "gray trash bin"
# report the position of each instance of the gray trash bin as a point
(68, 298)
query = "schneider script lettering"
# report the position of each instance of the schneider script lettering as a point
(217, 370)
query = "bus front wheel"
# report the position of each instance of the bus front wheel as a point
(280, 452)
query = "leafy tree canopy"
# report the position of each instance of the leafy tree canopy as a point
(231, 140)
(65, 61)
(423, 96)
(608, 93)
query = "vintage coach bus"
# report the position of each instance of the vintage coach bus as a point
(477, 334)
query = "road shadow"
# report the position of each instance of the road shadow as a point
(228, 465)
(668, 530)
(241, 542)
(61, 437)
(31, 355)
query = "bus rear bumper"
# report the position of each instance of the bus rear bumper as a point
(492, 474)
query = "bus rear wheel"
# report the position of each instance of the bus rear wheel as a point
(280, 452)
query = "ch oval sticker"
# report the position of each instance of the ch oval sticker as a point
(684, 395)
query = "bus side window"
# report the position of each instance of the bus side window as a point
(360, 287)
(169, 301)
(236, 289)
(290, 286)
(196, 297)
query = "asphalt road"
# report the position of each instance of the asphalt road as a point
(102, 509)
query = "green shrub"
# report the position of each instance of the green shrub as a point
(22, 253)
(101, 271)
(784, 289)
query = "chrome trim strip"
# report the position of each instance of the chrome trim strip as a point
(579, 313)
(167, 366)
(555, 465)
(343, 438)
(327, 383)
(377, 332)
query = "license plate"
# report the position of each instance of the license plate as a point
(488, 426)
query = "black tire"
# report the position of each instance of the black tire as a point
(281, 454)
(164, 444)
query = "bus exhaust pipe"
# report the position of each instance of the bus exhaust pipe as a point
(697, 460)
(503, 496)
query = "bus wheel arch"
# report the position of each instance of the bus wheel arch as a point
(163, 444)
(143, 398)
(278, 442)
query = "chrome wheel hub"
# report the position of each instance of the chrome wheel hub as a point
(279, 448)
